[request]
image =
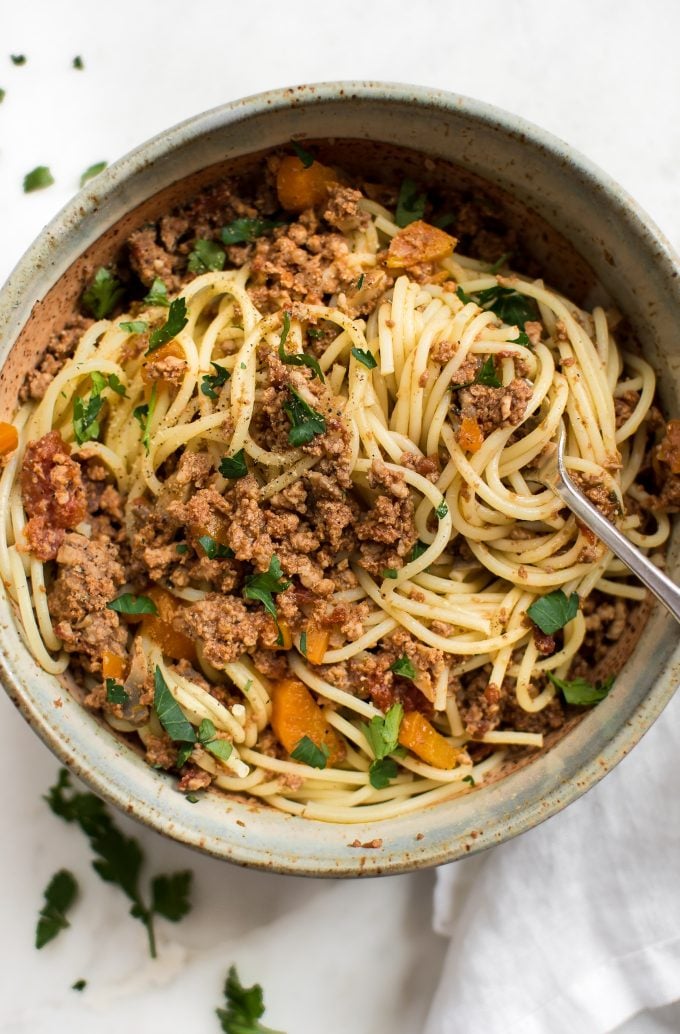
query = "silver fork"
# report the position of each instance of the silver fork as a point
(553, 473)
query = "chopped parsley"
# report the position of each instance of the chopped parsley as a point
(38, 179)
(553, 611)
(119, 858)
(176, 321)
(307, 752)
(382, 733)
(360, 282)
(486, 374)
(210, 741)
(234, 467)
(509, 305)
(2, 95)
(169, 713)
(191, 798)
(215, 550)
(144, 415)
(403, 667)
(103, 294)
(211, 381)
(86, 413)
(389, 572)
(60, 893)
(261, 587)
(127, 603)
(116, 693)
(244, 1007)
(314, 333)
(134, 326)
(382, 772)
(364, 356)
(469, 779)
(92, 171)
(410, 204)
(464, 298)
(158, 294)
(78, 63)
(522, 339)
(306, 422)
(245, 231)
(297, 358)
(305, 157)
(303, 643)
(181, 548)
(444, 220)
(18, 59)
(499, 263)
(442, 510)
(206, 257)
(581, 692)
(419, 549)
(79, 985)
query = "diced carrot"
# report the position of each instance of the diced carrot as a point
(421, 737)
(173, 348)
(9, 438)
(295, 713)
(299, 187)
(470, 437)
(214, 525)
(286, 635)
(417, 243)
(317, 643)
(159, 626)
(113, 665)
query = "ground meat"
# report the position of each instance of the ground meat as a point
(193, 778)
(478, 701)
(442, 352)
(604, 499)
(170, 369)
(342, 209)
(545, 644)
(495, 407)
(161, 752)
(624, 406)
(53, 494)
(149, 259)
(364, 297)
(61, 345)
(534, 331)
(224, 626)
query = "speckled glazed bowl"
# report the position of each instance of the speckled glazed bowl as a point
(601, 225)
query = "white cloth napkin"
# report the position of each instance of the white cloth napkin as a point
(574, 927)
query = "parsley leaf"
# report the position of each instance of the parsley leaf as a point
(500, 262)
(553, 611)
(522, 339)
(509, 305)
(144, 414)
(364, 356)
(245, 1005)
(209, 740)
(245, 231)
(215, 550)
(18, 59)
(410, 204)
(303, 643)
(170, 895)
(79, 985)
(442, 510)
(158, 294)
(306, 422)
(91, 171)
(297, 358)
(469, 779)
(134, 326)
(360, 282)
(389, 572)
(465, 298)
(206, 257)
(119, 858)
(486, 374)
(261, 587)
(382, 732)
(60, 893)
(403, 666)
(169, 713)
(210, 381)
(234, 467)
(381, 772)
(116, 693)
(78, 63)
(305, 157)
(579, 691)
(419, 549)
(103, 294)
(85, 422)
(307, 752)
(127, 603)
(176, 321)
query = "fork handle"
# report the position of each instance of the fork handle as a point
(658, 583)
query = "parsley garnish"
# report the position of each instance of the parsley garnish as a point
(116, 693)
(509, 305)
(179, 728)
(381, 772)
(79, 985)
(360, 282)
(382, 733)
(18, 59)
(364, 356)
(210, 381)
(144, 414)
(2, 95)
(234, 467)
(245, 1005)
(78, 63)
(85, 414)
(210, 741)
(176, 321)
(306, 422)
(442, 510)
(305, 157)
(92, 171)
(262, 586)
(389, 572)
(60, 893)
(444, 220)
(410, 204)
(580, 692)
(522, 339)
(181, 547)
(307, 752)
(214, 550)
(127, 603)
(38, 179)
(158, 294)
(418, 549)
(303, 643)
(465, 298)
(119, 858)
(134, 326)
(206, 257)
(297, 358)
(469, 779)
(553, 611)
(403, 666)
(486, 374)
(103, 294)
(499, 263)
(191, 798)
(245, 231)
(314, 333)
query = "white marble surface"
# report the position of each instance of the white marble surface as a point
(333, 957)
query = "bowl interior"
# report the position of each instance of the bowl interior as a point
(576, 229)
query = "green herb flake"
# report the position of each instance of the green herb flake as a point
(314, 333)
(38, 179)
(244, 1007)
(522, 339)
(360, 282)
(364, 356)
(581, 692)
(211, 381)
(306, 422)
(389, 572)
(181, 548)
(442, 510)
(158, 294)
(18, 59)
(296, 358)
(116, 693)
(85, 417)
(469, 779)
(418, 550)
(79, 985)
(127, 603)
(305, 157)
(91, 172)
(382, 732)
(78, 63)
(134, 326)
(60, 893)
(486, 374)
(382, 772)
(508, 305)
(303, 643)
(444, 220)
(307, 753)
(403, 667)
(499, 263)
(144, 415)
(553, 611)
(114, 384)
(215, 550)
(176, 322)
(261, 587)
(184, 752)
(464, 298)
(207, 257)
(169, 713)
(191, 798)
(410, 204)
(234, 467)
(245, 231)
(103, 294)
(2, 95)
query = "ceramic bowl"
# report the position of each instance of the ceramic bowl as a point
(584, 229)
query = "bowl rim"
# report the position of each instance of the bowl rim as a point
(88, 202)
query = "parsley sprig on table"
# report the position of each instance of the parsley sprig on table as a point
(60, 893)
(244, 1007)
(119, 858)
